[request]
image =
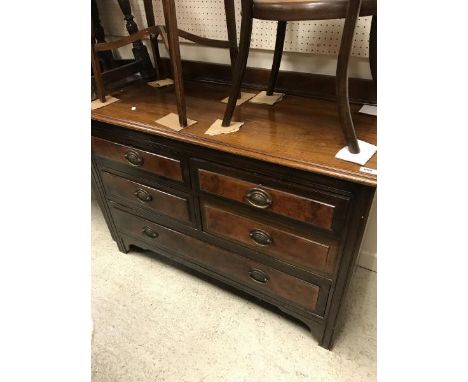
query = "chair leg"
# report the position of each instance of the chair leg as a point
(342, 96)
(241, 62)
(100, 90)
(139, 49)
(150, 21)
(231, 31)
(174, 52)
(373, 49)
(105, 56)
(280, 34)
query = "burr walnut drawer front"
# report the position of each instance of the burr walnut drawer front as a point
(153, 199)
(285, 245)
(321, 210)
(135, 158)
(247, 272)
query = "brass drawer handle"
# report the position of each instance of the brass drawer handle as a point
(147, 231)
(261, 237)
(134, 158)
(143, 195)
(259, 276)
(258, 198)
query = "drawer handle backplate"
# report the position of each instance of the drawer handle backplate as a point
(258, 198)
(143, 195)
(259, 276)
(147, 231)
(134, 158)
(261, 237)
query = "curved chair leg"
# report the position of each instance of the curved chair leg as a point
(241, 62)
(231, 31)
(342, 96)
(373, 49)
(280, 34)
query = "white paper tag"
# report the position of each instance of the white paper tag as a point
(366, 152)
(368, 170)
(368, 109)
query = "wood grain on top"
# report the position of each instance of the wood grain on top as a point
(301, 133)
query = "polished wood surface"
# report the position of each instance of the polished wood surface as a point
(236, 267)
(283, 203)
(147, 197)
(156, 164)
(299, 132)
(280, 243)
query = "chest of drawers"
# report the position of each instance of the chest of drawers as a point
(285, 235)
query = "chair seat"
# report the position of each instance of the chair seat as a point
(297, 10)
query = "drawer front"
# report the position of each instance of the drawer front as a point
(155, 200)
(281, 244)
(293, 206)
(135, 158)
(245, 271)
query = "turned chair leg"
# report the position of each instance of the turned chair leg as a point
(280, 34)
(174, 52)
(139, 49)
(373, 49)
(241, 62)
(342, 96)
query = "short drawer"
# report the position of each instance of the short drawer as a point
(282, 244)
(320, 213)
(235, 267)
(135, 158)
(154, 200)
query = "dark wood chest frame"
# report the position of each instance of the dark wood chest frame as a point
(287, 236)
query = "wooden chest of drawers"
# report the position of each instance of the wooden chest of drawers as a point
(285, 235)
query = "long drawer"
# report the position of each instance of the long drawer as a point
(147, 197)
(323, 210)
(253, 274)
(135, 158)
(285, 245)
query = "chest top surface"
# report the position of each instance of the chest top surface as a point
(300, 133)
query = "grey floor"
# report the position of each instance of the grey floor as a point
(156, 322)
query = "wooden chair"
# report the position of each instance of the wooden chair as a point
(170, 34)
(301, 10)
(101, 50)
(173, 34)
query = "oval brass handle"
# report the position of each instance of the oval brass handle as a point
(134, 158)
(258, 198)
(261, 237)
(259, 276)
(143, 195)
(147, 231)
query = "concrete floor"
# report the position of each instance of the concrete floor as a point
(156, 322)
